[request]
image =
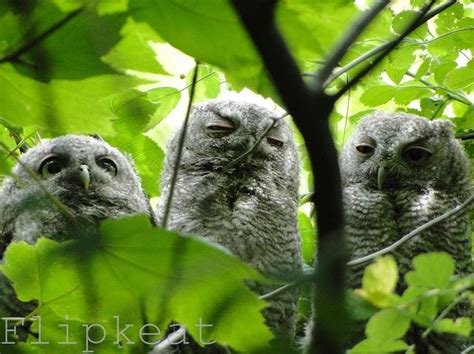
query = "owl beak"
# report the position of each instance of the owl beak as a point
(381, 174)
(85, 176)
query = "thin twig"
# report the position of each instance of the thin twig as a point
(251, 151)
(63, 208)
(469, 349)
(381, 48)
(445, 312)
(419, 19)
(341, 49)
(451, 94)
(413, 233)
(41, 37)
(388, 249)
(182, 138)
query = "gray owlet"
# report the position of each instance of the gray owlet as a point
(89, 181)
(400, 171)
(249, 208)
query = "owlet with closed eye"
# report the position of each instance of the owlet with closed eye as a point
(61, 189)
(249, 207)
(400, 171)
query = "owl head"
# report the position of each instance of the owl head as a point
(80, 170)
(394, 150)
(221, 130)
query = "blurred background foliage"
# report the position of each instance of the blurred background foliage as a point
(122, 69)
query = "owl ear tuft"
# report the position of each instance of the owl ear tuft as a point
(443, 127)
(97, 137)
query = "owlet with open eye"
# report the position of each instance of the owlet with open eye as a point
(61, 189)
(247, 205)
(400, 171)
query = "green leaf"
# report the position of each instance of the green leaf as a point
(461, 326)
(432, 270)
(61, 106)
(131, 267)
(379, 346)
(388, 325)
(134, 51)
(460, 79)
(404, 19)
(208, 84)
(378, 95)
(308, 235)
(379, 280)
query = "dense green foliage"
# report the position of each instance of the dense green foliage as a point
(121, 69)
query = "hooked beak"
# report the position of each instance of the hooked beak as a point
(381, 174)
(85, 176)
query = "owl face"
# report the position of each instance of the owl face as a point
(220, 131)
(76, 165)
(389, 151)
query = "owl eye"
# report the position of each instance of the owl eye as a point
(108, 165)
(51, 166)
(365, 148)
(275, 141)
(220, 128)
(416, 155)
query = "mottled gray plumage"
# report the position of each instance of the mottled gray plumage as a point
(91, 179)
(249, 208)
(400, 171)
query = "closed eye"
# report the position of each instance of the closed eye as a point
(272, 140)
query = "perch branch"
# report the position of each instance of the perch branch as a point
(419, 19)
(15, 55)
(171, 339)
(357, 28)
(177, 160)
(413, 233)
(457, 209)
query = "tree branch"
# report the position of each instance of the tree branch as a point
(15, 55)
(384, 46)
(419, 20)
(467, 136)
(177, 160)
(357, 28)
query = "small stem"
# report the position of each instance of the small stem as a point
(341, 49)
(445, 312)
(15, 55)
(177, 161)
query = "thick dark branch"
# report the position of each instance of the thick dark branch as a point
(310, 110)
(359, 26)
(468, 136)
(257, 16)
(15, 55)
(177, 159)
(382, 47)
(419, 20)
